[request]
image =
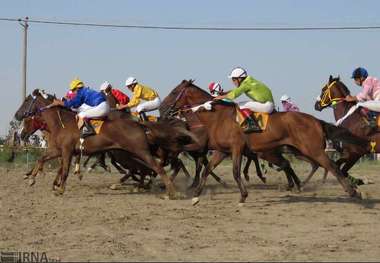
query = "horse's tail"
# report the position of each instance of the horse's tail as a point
(169, 137)
(340, 134)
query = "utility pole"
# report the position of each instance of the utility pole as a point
(25, 25)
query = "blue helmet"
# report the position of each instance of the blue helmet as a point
(359, 72)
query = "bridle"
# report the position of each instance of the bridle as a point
(28, 112)
(169, 111)
(326, 99)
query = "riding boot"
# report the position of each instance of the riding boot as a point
(143, 116)
(252, 125)
(87, 129)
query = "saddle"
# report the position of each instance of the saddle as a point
(242, 114)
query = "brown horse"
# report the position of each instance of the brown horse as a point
(301, 132)
(334, 92)
(62, 126)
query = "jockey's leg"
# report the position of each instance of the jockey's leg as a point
(148, 106)
(91, 112)
(255, 106)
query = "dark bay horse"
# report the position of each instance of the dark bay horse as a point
(303, 133)
(62, 126)
(333, 94)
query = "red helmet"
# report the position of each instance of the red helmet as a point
(215, 88)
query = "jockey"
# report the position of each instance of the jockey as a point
(370, 91)
(288, 104)
(261, 95)
(141, 92)
(215, 89)
(96, 106)
(107, 88)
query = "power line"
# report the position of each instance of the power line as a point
(203, 28)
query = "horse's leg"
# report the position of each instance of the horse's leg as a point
(314, 168)
(57, 178)
(217, 178)
(176, 166)
(152, 164)
(252, 156)
(216, 158)
(77, 167)
(319, 155)
(277, 159)
(86, 161)
(97, 160)
(102, 162)
(348, 165)
(325, 176)
(246, 169)
(236, 160)
(66, 161)
(198, 168)
(50, 155)
(184, 169)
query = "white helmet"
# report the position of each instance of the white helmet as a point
(238, 73)
(285, 98)
(104, 86)
(130, 81)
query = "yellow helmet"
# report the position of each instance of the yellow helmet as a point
(76, 83)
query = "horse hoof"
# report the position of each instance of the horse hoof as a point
(113, 187)
(367, 181)
(80, 176)
(32, 181)
(59, 190)
(26, 176)
(164, 197)
(89, 170)
(240, 204)
(195, 201)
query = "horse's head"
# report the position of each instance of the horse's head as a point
(332, 93)
(184, 95)
(31, 125)
(32, 104)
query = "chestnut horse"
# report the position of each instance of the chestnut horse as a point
(334, 93)
(301, 132)
(62, 126)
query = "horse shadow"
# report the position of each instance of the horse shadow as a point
(288, 199)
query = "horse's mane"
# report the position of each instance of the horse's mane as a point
(191, 84)
(187, 83)
(345, 90)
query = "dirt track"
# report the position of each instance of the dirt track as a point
(92, 222)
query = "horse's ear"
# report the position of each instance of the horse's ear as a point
(55, 97)
(338, 78)
(35, 92)
(331, 78)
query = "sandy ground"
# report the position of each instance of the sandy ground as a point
(91, 222)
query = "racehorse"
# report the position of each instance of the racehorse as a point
(62, 126)
(333, 94)
(301, 132)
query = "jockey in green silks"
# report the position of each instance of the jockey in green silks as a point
(258, 92)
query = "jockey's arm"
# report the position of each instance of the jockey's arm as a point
(350, 98)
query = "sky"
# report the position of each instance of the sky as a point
(294, 63)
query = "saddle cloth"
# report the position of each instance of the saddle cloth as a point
(97, 124)
(261, 117)
(151, 118)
